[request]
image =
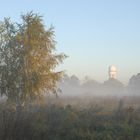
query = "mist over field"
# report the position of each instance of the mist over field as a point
(72, 86)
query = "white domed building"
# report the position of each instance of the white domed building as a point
(112, 71)
(113, 86)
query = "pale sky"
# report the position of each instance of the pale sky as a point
(93, 33)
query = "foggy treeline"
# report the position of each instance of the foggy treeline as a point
(72, 86)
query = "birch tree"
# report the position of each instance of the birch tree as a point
(28, 59)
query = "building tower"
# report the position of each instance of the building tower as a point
(112, 71)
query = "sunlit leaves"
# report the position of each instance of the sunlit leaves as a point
(28, 59)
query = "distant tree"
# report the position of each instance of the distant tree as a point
(74, 80)
(28, 59)
(133, 86)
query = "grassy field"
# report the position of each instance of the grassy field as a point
(96, 118)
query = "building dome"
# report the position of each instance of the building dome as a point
(112, 71)
(112, 68)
